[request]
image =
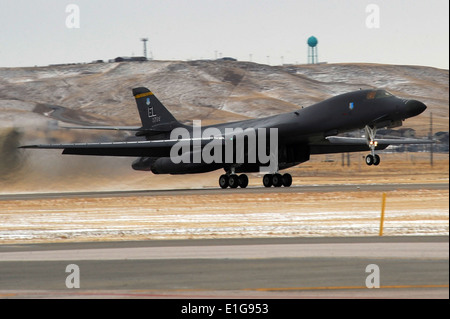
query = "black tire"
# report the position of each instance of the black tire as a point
(233, 181)
(243, 181)
(277, 180)
(287, 180)
(376, 160)
(369, 159)
(267, 180)
(223, 181)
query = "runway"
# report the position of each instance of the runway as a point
(409, 267)
(218, 191)
(278, 266)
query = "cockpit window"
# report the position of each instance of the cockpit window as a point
(371, 95)
(382, 93)
(378, 94)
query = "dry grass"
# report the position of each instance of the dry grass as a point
(210, 216)
(354, 213)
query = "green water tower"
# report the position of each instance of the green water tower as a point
(312, 50)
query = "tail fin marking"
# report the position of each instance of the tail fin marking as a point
(152, 112)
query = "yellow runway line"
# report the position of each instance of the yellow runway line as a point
(347, 287)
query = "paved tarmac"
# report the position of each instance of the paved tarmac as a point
(407, 267)
(249, 190)
(338, 267)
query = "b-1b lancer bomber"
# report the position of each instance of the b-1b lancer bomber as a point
(267, 145)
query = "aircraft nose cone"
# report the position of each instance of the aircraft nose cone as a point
(414, 107)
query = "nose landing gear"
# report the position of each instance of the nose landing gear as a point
(372, 158)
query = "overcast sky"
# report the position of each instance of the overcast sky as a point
(41, 32)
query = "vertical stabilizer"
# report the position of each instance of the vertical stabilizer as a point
(152, 112)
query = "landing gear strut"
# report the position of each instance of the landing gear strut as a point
(372, 158)
(277, 180)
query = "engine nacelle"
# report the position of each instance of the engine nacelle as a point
(164, 165)
(143, 163)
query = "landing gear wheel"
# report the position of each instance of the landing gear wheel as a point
(243, 181)
(369, 159)
(277, 180)
(267, 180)
(376, 160)
(287, 180)
(233, 181)
(223, 181)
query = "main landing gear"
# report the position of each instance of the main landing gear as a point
(372, 158)
(233, 181)
(277, 180)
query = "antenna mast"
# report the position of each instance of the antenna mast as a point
(145, 46)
